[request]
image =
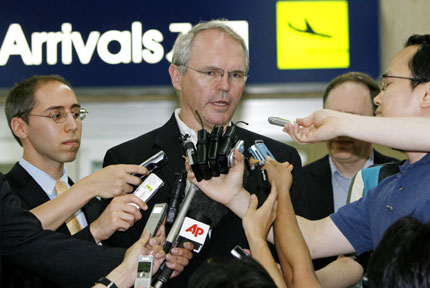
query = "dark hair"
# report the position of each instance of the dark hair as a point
(402, 257)
(420, 62)
(20, 100)
(236, 274)
(357, 77)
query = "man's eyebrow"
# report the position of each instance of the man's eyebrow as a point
(62, 107)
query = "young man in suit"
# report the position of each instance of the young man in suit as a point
(46, 120)
(208, 71)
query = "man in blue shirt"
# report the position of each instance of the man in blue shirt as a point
(359, 226)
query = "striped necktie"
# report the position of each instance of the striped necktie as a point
(72, 222)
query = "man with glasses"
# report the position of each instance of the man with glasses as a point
(327, 180)
(405, 92)
(46, 120)
(209, 69)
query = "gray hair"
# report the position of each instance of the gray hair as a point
(182, 46)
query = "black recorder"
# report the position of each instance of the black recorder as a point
(239, 253)
(155, 161)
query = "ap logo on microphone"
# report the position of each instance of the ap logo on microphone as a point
(194, 231)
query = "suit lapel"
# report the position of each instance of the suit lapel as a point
(29, 191)
(168, 140)
(323, 201)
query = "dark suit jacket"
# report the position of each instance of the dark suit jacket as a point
(229, 231)
(66, 261)
(31, 196)
(317, 194)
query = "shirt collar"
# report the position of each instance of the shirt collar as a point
(422, 161)
(183, 128)
(43, 179)
(335, 171)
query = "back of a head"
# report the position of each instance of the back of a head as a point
(402, 257)
(420, 62)
(244, 273)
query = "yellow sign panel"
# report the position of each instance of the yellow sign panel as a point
(312, 34)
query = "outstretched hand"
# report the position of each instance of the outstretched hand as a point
(113, 180)
(257, 222)
(226, 187)
(320, 126)
(279, 173)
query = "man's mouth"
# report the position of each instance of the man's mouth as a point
(220, 103)
(71, 142)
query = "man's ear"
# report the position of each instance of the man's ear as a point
(425, 103)
(175, 76)
(19, 127)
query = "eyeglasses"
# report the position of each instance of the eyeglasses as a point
(59, 116)
(215, 75)
(383, 84)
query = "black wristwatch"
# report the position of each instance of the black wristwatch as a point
(105, 281)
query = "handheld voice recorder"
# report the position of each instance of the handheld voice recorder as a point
(260, 151)
(157, 216)
(278, 121)
(238, 252)
(148, 188)
(144, 271)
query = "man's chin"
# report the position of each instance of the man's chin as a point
(341, 156)
(69, 157)
(220, 121)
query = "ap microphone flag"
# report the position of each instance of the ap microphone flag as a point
(194, 231)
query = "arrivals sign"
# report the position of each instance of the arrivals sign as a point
(128, 43)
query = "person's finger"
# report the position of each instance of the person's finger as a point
(182, 252)
(253, 202)
(136, 169)
(131, 198)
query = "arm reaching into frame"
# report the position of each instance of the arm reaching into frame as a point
(343, 272)
(257, 223)
(394, 132)
(106, 183)
(293, 253)
(125, 273)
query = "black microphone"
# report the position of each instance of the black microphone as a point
(202, 154)
(175, 196)
(227, 142)
(195, 229)
(155, 161)
(214, 142)
(190, 152)
(174, 231)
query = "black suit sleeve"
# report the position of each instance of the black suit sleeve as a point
(110, 158)
(66, 261)
(85, 234)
